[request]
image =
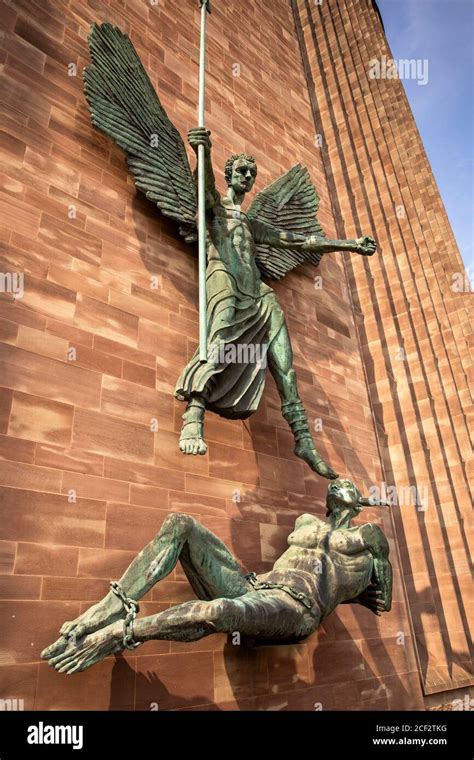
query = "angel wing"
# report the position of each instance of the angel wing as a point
(290, 203)
(125, 106)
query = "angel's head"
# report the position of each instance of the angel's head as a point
(240, 172)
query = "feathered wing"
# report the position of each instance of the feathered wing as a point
(290, 203)
(125, 106)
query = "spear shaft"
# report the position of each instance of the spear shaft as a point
(205, 9)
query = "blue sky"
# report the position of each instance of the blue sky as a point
(442, 31)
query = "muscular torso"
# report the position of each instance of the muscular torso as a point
(328, 565)
(232, 245)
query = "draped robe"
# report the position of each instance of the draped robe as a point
(241, 311)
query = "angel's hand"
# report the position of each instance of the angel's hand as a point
(200, 136)
(366, 246)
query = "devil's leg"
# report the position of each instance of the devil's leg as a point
(211, 569)
(267, 615)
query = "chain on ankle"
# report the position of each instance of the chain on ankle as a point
(131, 608)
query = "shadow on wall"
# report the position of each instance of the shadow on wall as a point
(152, 694)
(302, 676)
(165, 251)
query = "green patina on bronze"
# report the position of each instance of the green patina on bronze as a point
(326, 564)
(278, 232)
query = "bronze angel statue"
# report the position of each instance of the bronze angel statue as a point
(275, 234)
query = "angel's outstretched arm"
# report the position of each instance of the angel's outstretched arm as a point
(200, 136)
(266, 234)
(365, 245)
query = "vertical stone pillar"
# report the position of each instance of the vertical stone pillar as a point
(414, 326)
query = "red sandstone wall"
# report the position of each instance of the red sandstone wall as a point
(83, 425)
(414, 328)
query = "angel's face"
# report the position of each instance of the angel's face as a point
(243, 176)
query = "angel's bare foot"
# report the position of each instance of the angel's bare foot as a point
(306, 450)
(93, 648)
(191, 440)
(96, 617)
(193, 445)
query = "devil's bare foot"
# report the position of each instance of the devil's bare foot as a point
(93, 648)
(305, 450)
(98, 616)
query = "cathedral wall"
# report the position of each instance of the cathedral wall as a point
(92, 351)
(413, 318)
